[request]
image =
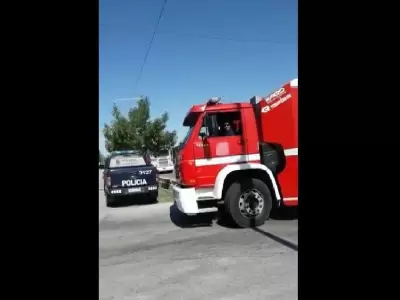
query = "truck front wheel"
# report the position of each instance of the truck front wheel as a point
(248, 202)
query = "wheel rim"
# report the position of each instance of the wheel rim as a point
(251, 203)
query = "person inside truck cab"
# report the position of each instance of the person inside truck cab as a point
(228, 131)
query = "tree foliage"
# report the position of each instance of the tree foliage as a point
(101, 157)
(137, 131)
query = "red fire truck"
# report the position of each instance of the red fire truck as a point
(239, 157)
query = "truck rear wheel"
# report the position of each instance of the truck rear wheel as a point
(248, 202)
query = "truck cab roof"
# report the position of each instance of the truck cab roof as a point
(214, 104)
(199, 108)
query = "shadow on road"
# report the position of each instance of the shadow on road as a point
(278, 239)
(183, 221)
(284, 214)
(206, 220)
(133, 201)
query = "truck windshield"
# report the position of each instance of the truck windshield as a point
(189, 132)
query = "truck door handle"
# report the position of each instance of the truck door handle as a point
(240, 142)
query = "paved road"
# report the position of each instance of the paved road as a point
(145, 254)
(101, 184)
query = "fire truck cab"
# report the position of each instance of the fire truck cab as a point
(241, 157)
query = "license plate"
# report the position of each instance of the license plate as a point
(134, 190)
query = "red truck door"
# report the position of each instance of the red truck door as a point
(214, 149)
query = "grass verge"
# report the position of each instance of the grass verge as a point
(165, 195)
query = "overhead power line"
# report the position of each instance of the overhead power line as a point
(221, 38)
(151, 42)
(212, 37)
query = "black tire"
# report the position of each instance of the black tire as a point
(153, 197)
(110, 201)
(231, 202)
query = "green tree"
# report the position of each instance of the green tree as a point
(101, 157)
(137, 131)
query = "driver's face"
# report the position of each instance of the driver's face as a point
(227, 126)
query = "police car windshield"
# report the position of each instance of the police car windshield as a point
(127, 160)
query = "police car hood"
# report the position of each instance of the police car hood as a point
(133, 176)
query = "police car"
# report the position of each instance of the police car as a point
(127, 173)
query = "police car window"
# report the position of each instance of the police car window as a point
(120, 161)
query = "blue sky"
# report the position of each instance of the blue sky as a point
(234, 49)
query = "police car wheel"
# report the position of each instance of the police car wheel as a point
(110, 201)
(248, 202)
(153, 197)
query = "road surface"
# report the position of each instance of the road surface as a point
(145, 254)
(101, 182)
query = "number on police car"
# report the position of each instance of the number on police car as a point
(145, 172)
